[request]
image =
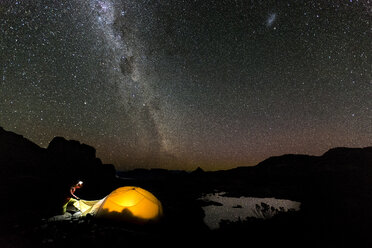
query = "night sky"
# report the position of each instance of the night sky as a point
(188, 83)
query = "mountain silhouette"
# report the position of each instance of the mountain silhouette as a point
(36, 180)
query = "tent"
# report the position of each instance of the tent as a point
(130, 204)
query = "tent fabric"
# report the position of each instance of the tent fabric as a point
(130, 204)
(88, 207)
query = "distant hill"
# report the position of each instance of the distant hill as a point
(18, 155)
(335, 159)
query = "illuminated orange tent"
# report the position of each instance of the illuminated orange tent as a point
(129, 204)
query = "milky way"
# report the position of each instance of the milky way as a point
(181, 84)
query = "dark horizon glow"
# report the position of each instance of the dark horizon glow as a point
(182, 84)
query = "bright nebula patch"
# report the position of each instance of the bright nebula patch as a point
(270, 20)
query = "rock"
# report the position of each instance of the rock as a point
(62, 217)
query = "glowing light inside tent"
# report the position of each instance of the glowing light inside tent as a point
(132, 204)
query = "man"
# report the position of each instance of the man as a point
(69, 205)
(74, 188)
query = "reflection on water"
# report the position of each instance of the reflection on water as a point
(234, 209)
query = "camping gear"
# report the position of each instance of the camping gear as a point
(130, 204)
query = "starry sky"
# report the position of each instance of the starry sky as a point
(187, 83)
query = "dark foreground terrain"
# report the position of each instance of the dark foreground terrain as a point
(335, 191)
